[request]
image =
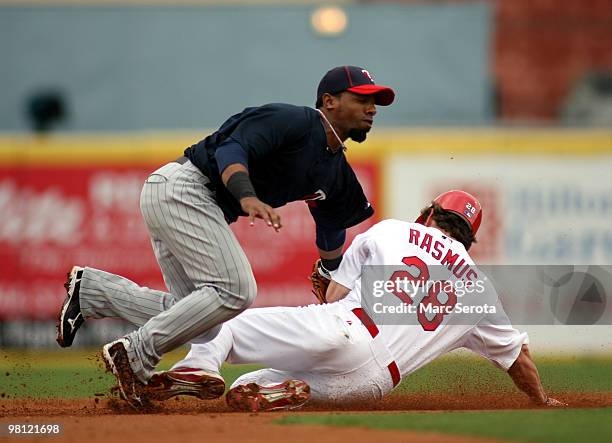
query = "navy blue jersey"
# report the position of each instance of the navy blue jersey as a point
(288, 160)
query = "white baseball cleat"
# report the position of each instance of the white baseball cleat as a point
(252, 397)
(205, 385)
(70, 317)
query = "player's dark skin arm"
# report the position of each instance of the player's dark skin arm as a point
(525, 376)
(254, 207)
(330, 255)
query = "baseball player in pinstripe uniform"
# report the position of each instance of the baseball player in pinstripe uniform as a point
(259, 159)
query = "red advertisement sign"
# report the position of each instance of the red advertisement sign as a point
(54, 217)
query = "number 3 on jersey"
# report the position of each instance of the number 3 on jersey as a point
(431, 302)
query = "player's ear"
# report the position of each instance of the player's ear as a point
(330, 101)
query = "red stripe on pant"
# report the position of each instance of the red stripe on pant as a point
(373, 330)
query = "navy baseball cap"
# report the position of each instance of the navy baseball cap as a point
(356, 80)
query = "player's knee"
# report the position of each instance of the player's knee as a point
(250, 289)
(246, 290)
(245, 300)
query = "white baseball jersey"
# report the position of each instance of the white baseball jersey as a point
(413, 345)
(330, 346)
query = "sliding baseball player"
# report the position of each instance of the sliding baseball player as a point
(336, 352)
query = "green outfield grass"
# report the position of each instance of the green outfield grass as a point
(71, 374)
(545, 426)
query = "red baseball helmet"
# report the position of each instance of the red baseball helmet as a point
(462, 204)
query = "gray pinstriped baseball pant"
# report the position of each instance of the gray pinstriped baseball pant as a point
(207, 274)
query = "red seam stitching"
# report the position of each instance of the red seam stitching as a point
(348, 74)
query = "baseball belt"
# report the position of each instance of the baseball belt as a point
(373, 330)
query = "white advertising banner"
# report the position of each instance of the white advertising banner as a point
(537, 209)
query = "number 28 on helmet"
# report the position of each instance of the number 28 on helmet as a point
(461, 203)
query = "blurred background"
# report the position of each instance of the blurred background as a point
(509, 99)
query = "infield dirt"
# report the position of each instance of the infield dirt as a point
(189, 420)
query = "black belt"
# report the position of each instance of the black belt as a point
(181, 160)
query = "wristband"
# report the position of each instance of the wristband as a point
(331, 264)
(240, 186)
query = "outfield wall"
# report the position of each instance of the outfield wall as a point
(173, 66)
(547, 197)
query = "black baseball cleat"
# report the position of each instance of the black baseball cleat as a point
(70, 317)
(117, 361)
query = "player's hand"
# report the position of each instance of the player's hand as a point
(255, 208)
(553, 403)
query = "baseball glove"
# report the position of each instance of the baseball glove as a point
(320, 278)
